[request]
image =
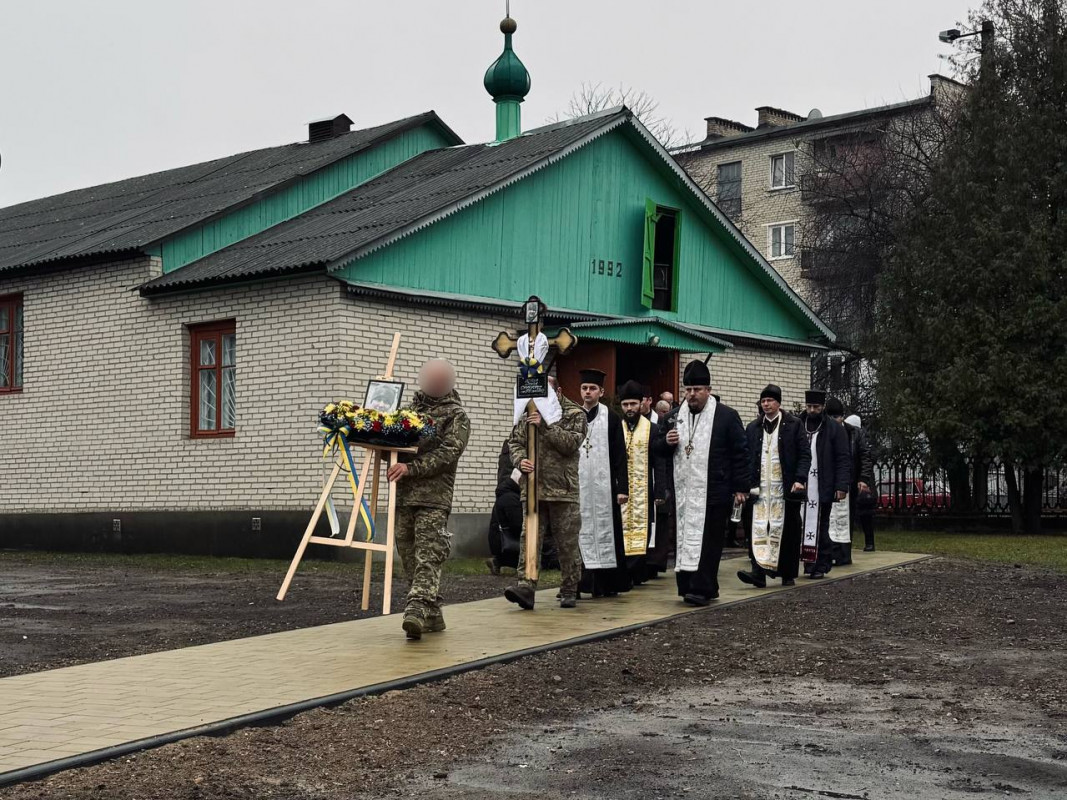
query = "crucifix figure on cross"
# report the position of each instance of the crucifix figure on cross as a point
(532, 383)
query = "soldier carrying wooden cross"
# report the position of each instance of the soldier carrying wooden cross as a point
(544, 445)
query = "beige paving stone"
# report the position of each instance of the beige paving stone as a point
(75, 710)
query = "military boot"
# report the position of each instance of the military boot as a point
(521, 594)
(415, 623)
(435, 622)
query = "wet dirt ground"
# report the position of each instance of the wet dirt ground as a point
(942, 679)
(58, 613)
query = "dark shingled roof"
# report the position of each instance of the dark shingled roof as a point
(129, 215)
(405, 198)
(687, 151)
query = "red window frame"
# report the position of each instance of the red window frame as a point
(12, 303)
(212, 331)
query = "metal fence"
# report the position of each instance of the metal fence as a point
(911, 487)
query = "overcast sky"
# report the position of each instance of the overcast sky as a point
(102, 90)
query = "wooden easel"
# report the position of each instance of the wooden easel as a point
(372, 467)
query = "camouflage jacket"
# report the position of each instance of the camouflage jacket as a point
(557, 453)
(432, 471)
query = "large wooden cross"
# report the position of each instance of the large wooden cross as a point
(505, 344)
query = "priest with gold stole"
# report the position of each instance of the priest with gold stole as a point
(639, 512)
(780, 464)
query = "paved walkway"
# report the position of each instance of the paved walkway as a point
(64, 717)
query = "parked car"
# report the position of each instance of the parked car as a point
(911, 495)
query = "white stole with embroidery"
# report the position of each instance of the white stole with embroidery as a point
(768, 515)
(840, 524)
(597, 537)
(691, 482)
(809, 549)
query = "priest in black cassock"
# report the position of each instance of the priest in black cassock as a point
(829, 475)
(603, 488)
(781, 461)
(704, 441)
(639, 534)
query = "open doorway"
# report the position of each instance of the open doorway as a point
(653, 366)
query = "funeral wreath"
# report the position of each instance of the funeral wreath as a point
(401, 428)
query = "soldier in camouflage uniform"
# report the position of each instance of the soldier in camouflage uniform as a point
(557, 483)
(424, 496)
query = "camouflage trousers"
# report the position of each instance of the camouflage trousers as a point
(563, 523)
(423, 542)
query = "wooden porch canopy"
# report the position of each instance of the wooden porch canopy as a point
(650, 332)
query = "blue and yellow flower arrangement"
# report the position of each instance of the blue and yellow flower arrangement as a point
(403, 428)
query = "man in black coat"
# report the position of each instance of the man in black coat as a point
(505, 525)
(828, 480)
(779, 441)
(862, 473)
(704, 443)
(866, 501)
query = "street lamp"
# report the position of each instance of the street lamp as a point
(952, 34)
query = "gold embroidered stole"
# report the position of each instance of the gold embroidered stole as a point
(635, 514)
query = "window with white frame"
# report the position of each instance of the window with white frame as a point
(781, 239)
(782, 172)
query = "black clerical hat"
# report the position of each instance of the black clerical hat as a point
(696, 374)
(815, 397)
(834, 407)
(593, 376)
(631, 390)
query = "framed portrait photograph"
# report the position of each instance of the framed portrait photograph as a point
(384, 396)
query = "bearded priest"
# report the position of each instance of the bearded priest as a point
(705, 443)
(603, 488)
(639, 514)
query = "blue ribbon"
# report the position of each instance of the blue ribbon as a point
(330, 442)
(530, 366)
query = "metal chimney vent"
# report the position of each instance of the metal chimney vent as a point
(320, 130)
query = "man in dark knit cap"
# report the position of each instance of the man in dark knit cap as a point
(828, 479)
(603, 487)
(780, 465)
(704, 441)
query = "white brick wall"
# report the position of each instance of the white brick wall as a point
(106, 391)
(103, 421)
(760, 204)
(739, 375)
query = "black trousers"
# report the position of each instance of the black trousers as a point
(705, 580)
(867, 523)
(823, 560)
(657, 557)
(789, 552)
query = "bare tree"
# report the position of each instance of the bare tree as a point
(860, 186)
(590, 98)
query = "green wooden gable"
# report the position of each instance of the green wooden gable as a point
(298, 196)
(575, 233)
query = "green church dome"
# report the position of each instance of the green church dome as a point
(507, 77)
